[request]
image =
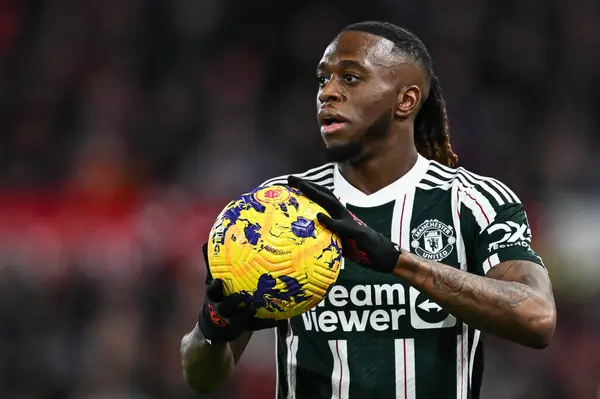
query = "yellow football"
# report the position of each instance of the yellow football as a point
(268, 246)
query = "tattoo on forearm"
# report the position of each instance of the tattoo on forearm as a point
(465, 288)
(487, 302)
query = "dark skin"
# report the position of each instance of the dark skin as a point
(362, 79)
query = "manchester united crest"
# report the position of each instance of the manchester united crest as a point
(433, 240)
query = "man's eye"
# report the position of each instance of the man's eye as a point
(351, 79)
(321, 79)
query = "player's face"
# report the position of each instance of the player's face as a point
(357, 93)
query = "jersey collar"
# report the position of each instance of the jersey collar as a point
(350, 194)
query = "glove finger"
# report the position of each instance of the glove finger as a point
(214, 291)
(230, 305)
(328, 201)
(293, 181)
(209, 276)
(333, 225)
(243, 317)
(317, 189)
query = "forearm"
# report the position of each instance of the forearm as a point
(206, 366)
(509, 309)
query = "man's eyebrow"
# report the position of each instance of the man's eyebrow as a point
(342, 63)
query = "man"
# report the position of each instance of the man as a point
(434, 256)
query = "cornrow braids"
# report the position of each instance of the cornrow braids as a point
(432, 131)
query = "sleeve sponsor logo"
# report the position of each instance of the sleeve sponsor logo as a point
(511, 234)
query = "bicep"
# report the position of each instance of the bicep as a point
(239, 345)
(525, 272)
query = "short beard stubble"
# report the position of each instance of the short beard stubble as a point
(354, 151)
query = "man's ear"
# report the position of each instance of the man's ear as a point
(408, 101)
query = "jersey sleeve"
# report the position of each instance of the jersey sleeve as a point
(496, 231)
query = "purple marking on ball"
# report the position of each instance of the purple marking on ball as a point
(337, 251)
(251, 233)
(244, 202)
(294, 202)
(284, 209)
(266, 296)
(303, 228)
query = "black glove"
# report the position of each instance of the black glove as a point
(360, 243)
(225, 318)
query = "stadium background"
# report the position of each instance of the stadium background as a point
(126, 124)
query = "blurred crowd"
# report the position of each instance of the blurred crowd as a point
(126, 124)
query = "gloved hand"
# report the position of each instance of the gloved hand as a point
(222, 319)
(360, 243)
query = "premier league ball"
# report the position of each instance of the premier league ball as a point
(268, 246)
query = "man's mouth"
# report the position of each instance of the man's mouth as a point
(332, 125)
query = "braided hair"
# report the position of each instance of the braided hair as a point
(432, 133)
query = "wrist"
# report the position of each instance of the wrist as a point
(408, 266)
(207, 331)
(194, 346)
(404, 258)
(199, 337)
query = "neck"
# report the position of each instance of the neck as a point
(386, 164)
